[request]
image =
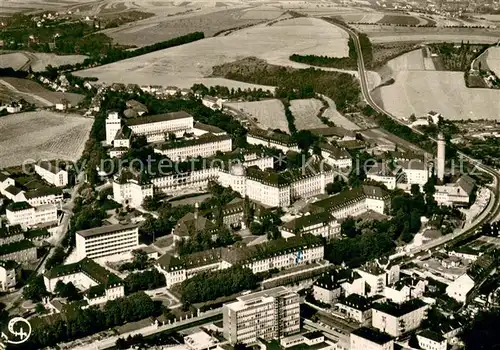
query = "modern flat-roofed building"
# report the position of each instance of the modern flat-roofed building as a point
(155, 127)
(268, 314)
(107, 240)
(398, 319)
(52, 174)
(370, 339)
(430, 340)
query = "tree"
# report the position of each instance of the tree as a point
(333, 187)
(256, 228)
(415, 190)
(482, 332)
(35, 289)
(348, 228)
(151, 203)
(305, 140)
(68, 291)
(412, 118)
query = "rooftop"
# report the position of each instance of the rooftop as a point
(272, 136)
(159, 118)
(95, 271)
(356, 301)
(207, 138)
(18, 206)
(13, 190)
(398, 310)
(335, 152)
(346, 196)
(42, 192)
(427, 333)
(300, 223)
(105, 229)
(333, 131)
(466, 183)
(334, 278)
(49, 167)
(372, 335)
(8, 264)
(208, 128)
(15, 247)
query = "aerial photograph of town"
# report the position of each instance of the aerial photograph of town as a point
(250, 174)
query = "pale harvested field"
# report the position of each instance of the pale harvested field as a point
(305, 112)
(36, 93)
(39, 61)
(413, 60)
(192, 63)
(332, 114)
(13, 60)
(270, 114)
(42, 135)
(493, 60)
(419, 92)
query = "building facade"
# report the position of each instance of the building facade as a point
(269, 314)
(52, 174)
(370, 339)
(205, 146)
(7, 275)
(398, 319)
(22, 213)
(107, 240)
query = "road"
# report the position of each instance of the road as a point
(495, 207)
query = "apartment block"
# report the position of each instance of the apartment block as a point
(398, 319)
(268, 314)
(107, 240)
(52, 174)
(370, 339)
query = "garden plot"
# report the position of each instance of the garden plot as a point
(192, 63)
(270, 114)
(15, 60)
(42, 135)
(306, 112)
(419, 92)
(493, 60)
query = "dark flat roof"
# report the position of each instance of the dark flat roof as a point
(398, 310)
(372, 335)
(105, 229)
(159, 118)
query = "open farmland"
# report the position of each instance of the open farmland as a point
(306, 112)
(192, 63)
(493, 60)
(42, 135)
(270, 114)
(39, 61)
(35, 93)
(399, 20)
(445, 92)
(333, 115)
(16, 60)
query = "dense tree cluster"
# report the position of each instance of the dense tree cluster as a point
(140, 262)
(349, 62)
(77, 323)
(35, 289)
(482, 332)
(224, 92)
(212, 285)
(146, 280)
(202, 241)
(67, 290)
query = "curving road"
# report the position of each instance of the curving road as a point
(494, 209)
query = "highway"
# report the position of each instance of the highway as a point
(495, 207)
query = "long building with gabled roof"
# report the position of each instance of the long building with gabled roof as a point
(282, 253)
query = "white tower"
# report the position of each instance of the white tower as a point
(113, 125)
(441, 157)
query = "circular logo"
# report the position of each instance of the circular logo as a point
(20, 330)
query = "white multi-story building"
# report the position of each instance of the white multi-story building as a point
(113, 126)
(319, 224)
(344, 282)
(153, 127)
(354, 307)
(52, 174)
(22, 213)
(205, 146)
(277, 254)
(370, 339)
(414, 172)
(212, 102)
(460, 288)
(405, 290)
(381, 172)
(336, 156)
(7, 275)
(374, 276)
(99, 285)
(271, 139)
(127, 190)
(44, 196)
(269, 314)
(156, 127)
(429, 340)
(107, 240)
(457, 193)
(398, 319)
(5, 181)
(354, 202)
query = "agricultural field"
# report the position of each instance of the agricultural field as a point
(305, 112)
(16, 61)
(333, 115)
(42, 135)
(269, 114)
(382, 53)
(192, 63)
(493, 60)
(39, 61)
(413, 60)
(35, 93)
(445, 92)
(400, 20)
